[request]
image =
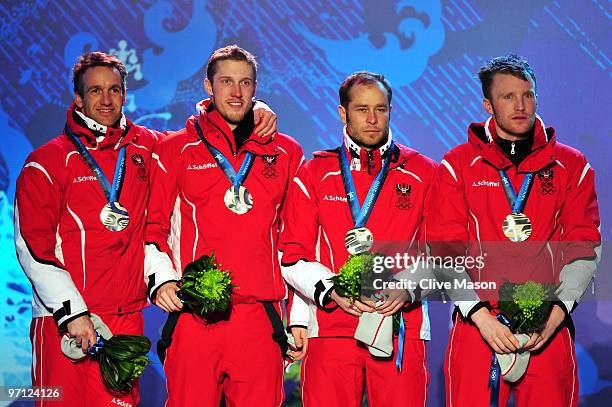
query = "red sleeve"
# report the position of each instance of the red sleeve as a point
(162, 196)
(38, 200)
(301, 219)
(580, 215)
(447, 220)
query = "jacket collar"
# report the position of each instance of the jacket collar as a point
(400, 154)
(218, 133)
(95, 135)
(482, 137)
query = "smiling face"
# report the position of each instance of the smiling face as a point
(231, 89)
(103, 97)
(513, 104)
(367, 115)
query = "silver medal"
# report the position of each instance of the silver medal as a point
(114, 220)
(239, 202)
(358, 240)
(517, 227)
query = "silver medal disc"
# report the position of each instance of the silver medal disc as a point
(358, 240)
(114, 220)
(517, 227)
(239, 202)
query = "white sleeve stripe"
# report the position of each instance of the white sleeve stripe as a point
(475, 159)
(159, 162)
(450, 169)
(302, 186)
(584, 171)
(188, 145)
(330, 173)
(139, 146)
(195, 224)
(70, 155)
(409, 173)
(40, 167)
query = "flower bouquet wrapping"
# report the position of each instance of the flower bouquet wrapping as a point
(121, 358)
(205, 288)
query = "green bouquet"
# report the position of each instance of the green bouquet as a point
(122, 359)
(527, 305)
(205, 288)
(355, 278)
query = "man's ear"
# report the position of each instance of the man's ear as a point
(488, 106)
(78, 100)
(208, 87)
(342, 114)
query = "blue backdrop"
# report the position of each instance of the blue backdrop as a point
(429, 50)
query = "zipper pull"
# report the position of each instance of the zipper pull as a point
(512, 150)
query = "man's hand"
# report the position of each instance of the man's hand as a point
(300, 336)
(265, 120)
(538, 340)
(497, 335)
(354, 308)
(395, 299)
(166, 298)
(83, 330)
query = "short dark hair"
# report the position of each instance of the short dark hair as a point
(232, 53)
(362, 78)
(507, 64)
(91, 60)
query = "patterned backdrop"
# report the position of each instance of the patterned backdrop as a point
(428, 49)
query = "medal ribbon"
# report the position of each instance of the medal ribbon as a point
(400, 343)
(235, 178)
(495, 370)
(113, 191)
(517, 202)
(361, 215)
(97, 347)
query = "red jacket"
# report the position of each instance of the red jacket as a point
(318, 217)
(74, 263)
(470, 205)
(187, 217)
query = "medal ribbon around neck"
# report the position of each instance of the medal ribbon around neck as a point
(236, 179)
(360, 215)
(112, 192)
(517, 202)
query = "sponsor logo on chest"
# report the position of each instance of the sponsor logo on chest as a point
(334, 198)
(485, 183)
(198, 167)
(84, 178)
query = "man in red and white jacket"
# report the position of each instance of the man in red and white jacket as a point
(76, 264)
(313, 246)
(563, 246)
(188, 218)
